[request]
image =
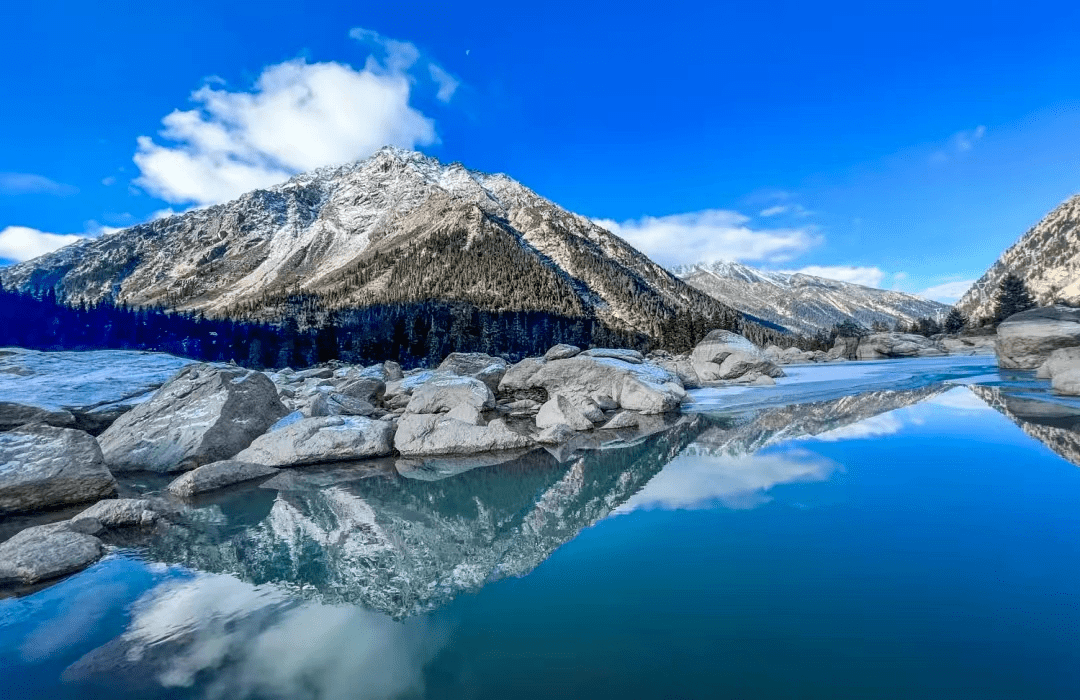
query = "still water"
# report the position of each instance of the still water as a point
(905, 530)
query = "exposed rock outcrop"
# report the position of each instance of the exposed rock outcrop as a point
(723, 355)
(1025, 340)
(45, 467)
(884, 346)
(203, 414)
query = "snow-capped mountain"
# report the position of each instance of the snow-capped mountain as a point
(805, 303)
(398, 227)
(1047, 258)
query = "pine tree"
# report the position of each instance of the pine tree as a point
(955, 321)
(1012, 297)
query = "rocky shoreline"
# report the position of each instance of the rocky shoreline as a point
(214, 426)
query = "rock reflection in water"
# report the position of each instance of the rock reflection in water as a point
(1054, 424)
(402, 545)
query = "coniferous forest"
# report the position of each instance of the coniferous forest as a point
(414, 334)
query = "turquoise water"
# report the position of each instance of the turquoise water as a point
(920, 543)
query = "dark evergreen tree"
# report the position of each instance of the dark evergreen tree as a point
(955, 321)
(1012, 298)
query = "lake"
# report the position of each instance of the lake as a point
(904, 529)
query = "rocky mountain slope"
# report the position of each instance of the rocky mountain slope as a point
(805, 303)
(396, 228)
(1047, 258)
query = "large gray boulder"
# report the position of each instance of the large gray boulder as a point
(561, 351)
(881, 346)
(722, 355)
(46, 552)
(1062, 368)
(119, 512)
(45, 467)
(423, 434)
(444, 392)
(203, 414)
(324, 439)
(488, 369)
(217, 475)
(15, 415)
(1025, 340)
(559, 410)
(641, 387)
(969, 345)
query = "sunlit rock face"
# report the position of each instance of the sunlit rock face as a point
(1056, 425)
(400, 545)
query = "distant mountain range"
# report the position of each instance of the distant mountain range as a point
(397, 228)
(1047, 258)
(805, 303)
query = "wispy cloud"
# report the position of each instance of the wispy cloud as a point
(947, 293)
(711, 235)
(959, 143)
(298, 116)
(28, 183)
(447, 83)
(19, 243)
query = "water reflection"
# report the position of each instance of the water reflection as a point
(258, 641)
(1055, 424)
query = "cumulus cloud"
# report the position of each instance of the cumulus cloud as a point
(866, 276)
(947, 293)
(298, 116)
(711, 235)
(28, 183)
(19, 243)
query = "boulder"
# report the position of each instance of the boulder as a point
(422, 434)
(519, 377)
(969, 345)
(622, 419)
(559, 410)
(1025, 340)
(332, 404)
(369, 389)
(14, 415)
(46, 552)
(682, 367)
(608, 382)
(442, 393)
(324, 439)
(314, 373)
(118, 512)
(724, 355)
(45, 467)
(632, 356)
(562, 351)
(467, 413)
(217, 475)
(881, 346)
(843, 348)
(203, 414)
(1060, 360)
(392, 371)
(488, 369)
(555, 434)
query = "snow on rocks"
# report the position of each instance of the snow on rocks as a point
(322, 439)
(1026, 340)
(45, 467)
(203, 414)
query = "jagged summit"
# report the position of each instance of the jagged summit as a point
(804, 303)
(398, 227)
(1046, 257)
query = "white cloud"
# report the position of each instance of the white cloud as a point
(28, 183)
(947, 293)
(866, 276)
(774, 211)
(21, 243)
(694, 481)
(108, 181)
(710, 235)
(876, 426)
(298, 116)
(447, 83)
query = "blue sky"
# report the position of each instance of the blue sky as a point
(902, 144)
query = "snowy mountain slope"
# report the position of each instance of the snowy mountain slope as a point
(804, 303)
(398, 227)
(1047, 258)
